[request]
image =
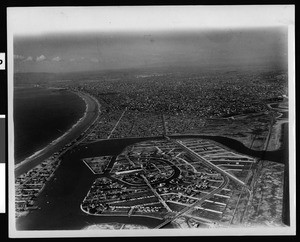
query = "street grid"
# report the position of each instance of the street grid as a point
(198, 191)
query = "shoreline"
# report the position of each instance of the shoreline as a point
(52, 145)
(117, 215)
(230, 143)
(37, 153)
(77, 183)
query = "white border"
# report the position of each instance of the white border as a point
(184, 17)
(292, 125)
(10, 138)
(2, 187)
(2, 181)
(136, 18)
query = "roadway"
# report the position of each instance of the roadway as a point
(225, 174)
(208, 163)
(162, 201)
(198, 203)
(116, 125)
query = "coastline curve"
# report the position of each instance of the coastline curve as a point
(90, 116)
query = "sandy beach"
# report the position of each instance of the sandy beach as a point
(90, 115)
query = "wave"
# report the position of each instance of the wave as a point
(39, 152)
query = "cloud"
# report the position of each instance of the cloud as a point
(57, 58)
(41, 58)
(95, 60)
(29, 58)
(19, 57)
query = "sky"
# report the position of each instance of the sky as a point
(118, 38)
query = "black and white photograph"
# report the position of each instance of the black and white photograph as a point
(2, 139)
(2, 163)
(151, 121)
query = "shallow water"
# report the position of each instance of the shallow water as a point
(60, 201)
(41, 116)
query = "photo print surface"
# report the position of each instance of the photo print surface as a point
(141, 121)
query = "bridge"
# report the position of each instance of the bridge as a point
(198, 203)
(131, 210)
(226, 177)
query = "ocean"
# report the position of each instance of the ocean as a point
(42, 115)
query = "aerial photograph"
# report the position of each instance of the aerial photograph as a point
(117, 125)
